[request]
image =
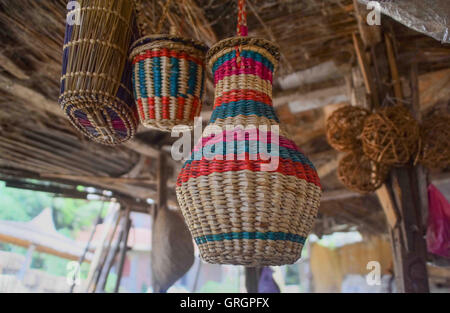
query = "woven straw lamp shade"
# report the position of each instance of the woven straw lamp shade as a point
(96, 77)
(391, 136)
(344, 127)
(435, 141)
(359, 173)
(238, 211)
(168, 80)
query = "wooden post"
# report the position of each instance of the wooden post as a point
(402, 195)
(161, 204)
(252, 275)
(111, 256)
(123, 250)
(402, 199)
(408, 244)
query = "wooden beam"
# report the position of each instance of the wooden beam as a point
(395, 77)
(366, 70)
(252, 275)
(388, 205)
(400, 198)
(9, 66)
(161, 186)
(299, 100)
(371, 34)
(33, 99)
(338, 195)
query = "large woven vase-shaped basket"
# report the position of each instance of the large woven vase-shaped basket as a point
(239, 209)
(168, 80)
(96, 77)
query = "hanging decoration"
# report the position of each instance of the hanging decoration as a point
(435, 141)
(248, 194)
(172, 249)
(96, 77)
(390, 136)
(168, 78)
(344, 127)
(361, 174)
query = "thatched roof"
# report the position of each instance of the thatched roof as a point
(317, 59)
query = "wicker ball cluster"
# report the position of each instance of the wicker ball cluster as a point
(435, 141)
(390, 136)
(344, 128)
(359, 173)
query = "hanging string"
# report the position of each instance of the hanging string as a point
(242, 29)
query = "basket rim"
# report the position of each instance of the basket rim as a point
(270, 46)
(155, 38)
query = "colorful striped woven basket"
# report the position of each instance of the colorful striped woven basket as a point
(168, 80)
(96, 77)
(240, 209)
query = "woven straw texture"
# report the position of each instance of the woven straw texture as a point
(391, 136)
(435, 141)
(168, 80)
(344, 127)
(238, 211)
(359, 173)
(96, 77)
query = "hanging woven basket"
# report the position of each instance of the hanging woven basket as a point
(168, 80)
(240, 206)
(96, 77)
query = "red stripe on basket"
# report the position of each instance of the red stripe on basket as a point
(181, 102)
(141, 109)
(165, 107)
(195, 104)
(242, 94)
(151, 108)
(148, 54)
(247, 66)
(286, 167)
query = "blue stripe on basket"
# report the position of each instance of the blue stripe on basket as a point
(174, 76)
(192, 81)
(238, 148)
(157, 84)
(245, 54)
(243, 107)
(142, 80)
(251, 235)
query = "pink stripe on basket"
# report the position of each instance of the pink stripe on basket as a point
(247, 66)
(254, 134)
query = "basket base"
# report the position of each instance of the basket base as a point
(251, 253)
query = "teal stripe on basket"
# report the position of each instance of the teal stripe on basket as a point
(251, 235)
(243, 107)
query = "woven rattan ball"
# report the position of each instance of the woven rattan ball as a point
(435, 141)
(390, 136)
(344, 127)
(358, 173)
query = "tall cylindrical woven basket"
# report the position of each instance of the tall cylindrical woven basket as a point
(96, 77)
(240, 209)
(168, 80)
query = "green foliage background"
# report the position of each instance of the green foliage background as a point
(70, 217)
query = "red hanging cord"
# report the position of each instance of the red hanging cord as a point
(242, 29)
